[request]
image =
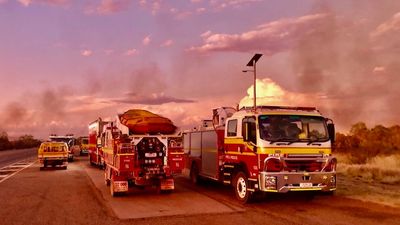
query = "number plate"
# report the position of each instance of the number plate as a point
(151, 155)
(305, 185)
(120, 186)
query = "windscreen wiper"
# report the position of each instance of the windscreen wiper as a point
(283, 141)
(314, 142)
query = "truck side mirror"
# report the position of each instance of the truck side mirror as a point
(331, 132)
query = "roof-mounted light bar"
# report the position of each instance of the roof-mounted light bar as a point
(301, 108)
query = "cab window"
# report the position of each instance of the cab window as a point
(232, 128)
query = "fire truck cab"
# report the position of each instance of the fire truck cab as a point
(270, 149)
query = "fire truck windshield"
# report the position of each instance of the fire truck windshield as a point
(292, 128)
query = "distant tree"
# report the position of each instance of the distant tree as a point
(363, 143)
(4, 142)
(26, 141)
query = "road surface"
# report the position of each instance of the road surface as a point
(9, 157)
(76, 196)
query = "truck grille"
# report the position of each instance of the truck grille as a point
(303, 165)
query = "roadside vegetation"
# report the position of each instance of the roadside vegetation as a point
(24, 141)
(371, 154)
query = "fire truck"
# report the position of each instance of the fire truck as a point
(95, 150)
(140, 151)
(263, 149)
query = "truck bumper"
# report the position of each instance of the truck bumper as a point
(54, 161)
(298, 181)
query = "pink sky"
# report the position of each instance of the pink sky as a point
(64, 63)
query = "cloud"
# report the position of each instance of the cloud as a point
(153, 99)
(108, 51)
(201, 10)
(222, 4)
(167, 43)
(107, 7)
(270, 93)
(379, 69)
(131, 52)
(146, 40)
(86, 52)
(272, 37)
(387, 27)
(155, 6)
(385, 36)
(26, 3)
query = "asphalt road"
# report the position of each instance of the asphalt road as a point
(74, 196)
(9, 157)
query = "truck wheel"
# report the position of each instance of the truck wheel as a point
(194, 174)
(240, 187)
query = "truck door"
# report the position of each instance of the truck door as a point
(209, 153)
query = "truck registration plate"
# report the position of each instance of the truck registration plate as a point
(305, 185)
(120, 186)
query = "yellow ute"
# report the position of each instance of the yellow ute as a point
(54, 154)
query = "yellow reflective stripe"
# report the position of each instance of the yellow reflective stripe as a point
(306, 189)
(238, 153)
(294, 150)
(176, 153)
(126, 154)
(234, 141)
(204, 149)
(271, 190)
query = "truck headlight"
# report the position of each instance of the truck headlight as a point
(270, 182)
(333, 180)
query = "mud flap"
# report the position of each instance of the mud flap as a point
(167, 184)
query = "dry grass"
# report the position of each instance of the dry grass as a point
(383, 169)
(378, 180)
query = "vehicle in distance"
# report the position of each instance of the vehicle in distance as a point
(53, 154)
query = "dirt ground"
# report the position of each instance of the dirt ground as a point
(70, 197)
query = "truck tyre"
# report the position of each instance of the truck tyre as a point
(194, 174)
(240, 185)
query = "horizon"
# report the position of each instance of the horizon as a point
(65, 63)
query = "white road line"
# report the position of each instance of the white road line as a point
(1, 176)
(7, 170)
(10, 175)
(22, 161)
(19, 166)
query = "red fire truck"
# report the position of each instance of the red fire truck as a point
(270, 149)
(140, 149)
(95, 153)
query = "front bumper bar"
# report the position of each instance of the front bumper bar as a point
(297, 181)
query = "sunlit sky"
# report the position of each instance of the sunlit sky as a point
(64, 63)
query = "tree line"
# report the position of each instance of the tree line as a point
(24, 141)
(363, 143)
